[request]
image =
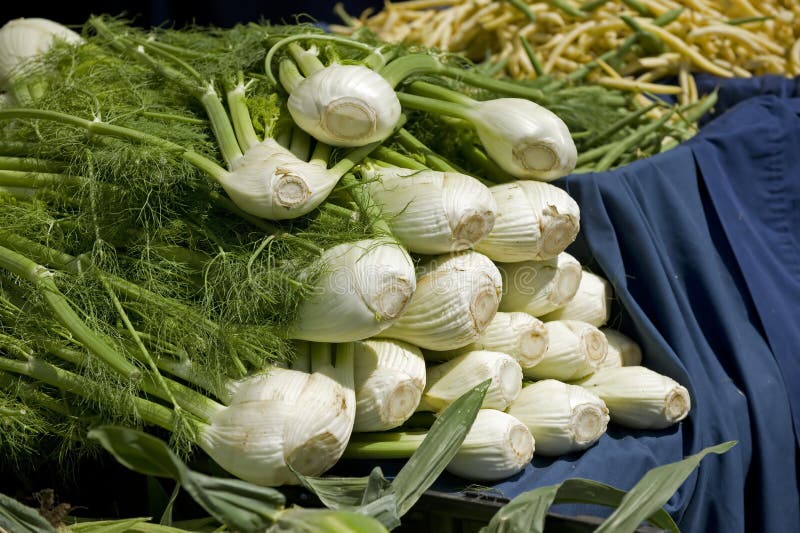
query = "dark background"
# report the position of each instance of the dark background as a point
(181, 12)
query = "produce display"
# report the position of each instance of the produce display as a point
(276, 245)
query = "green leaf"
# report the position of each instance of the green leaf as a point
(383, 509)
(336, 492)
(527, 512)
(654, 489)
(438, 448)
(364, 495)
(238, 504)
(316, 521)
(19, 518)
(377, 486)
(166, 517)
(108, 526)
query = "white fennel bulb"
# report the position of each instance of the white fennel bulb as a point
(247, 440)
(524, 138)
(629, 353)
(456, 299)
(591, 303)
(496, 447)
(538, 287)
(640, 398)
(345, 105)
(25, 38)
(562, 418)
(320, 428)
(364, 287)
(285, 417)
(519, 335)
(575, 350)
(389, 378)
(535, 221)
(432, 212)
(446, 382)
(270, 182)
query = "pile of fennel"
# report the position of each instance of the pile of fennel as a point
(242, 237)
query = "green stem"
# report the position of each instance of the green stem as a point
(619, 124)
(595, 153)
(301, 144)
(242, 122)
(289, 75)
(173, 117)
(397, 159)
(630, 141)
(355, 156)
(132, 291)
(181, 396)
(405, 66)
(432, 105)
(311, 37)
(490, 171)
(386, 445)
(30, 394)
(423, 88)
(43, 280)
(434, 160)
(119, 132)
(321, 154)
(63, 379)
(17, 148)
(307, 60)
(344, 361)
(221, 125)
(30, 164)
(36, 180)
(321, 356)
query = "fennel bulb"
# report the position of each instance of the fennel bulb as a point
(591, 303)
(538, 287)
(496, 447)
(364, 288)
(535, 221)
(562, 418)
(25, 38)
(527, 140)
(345, 105)
(576, 349)
(285, 417)
(448, 381)
(639, 398)
(456, 299)
(519, 335)
(389, 378)
(270, 182)
(629, 352)
(432, 212)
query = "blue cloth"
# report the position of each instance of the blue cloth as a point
(702, 247)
